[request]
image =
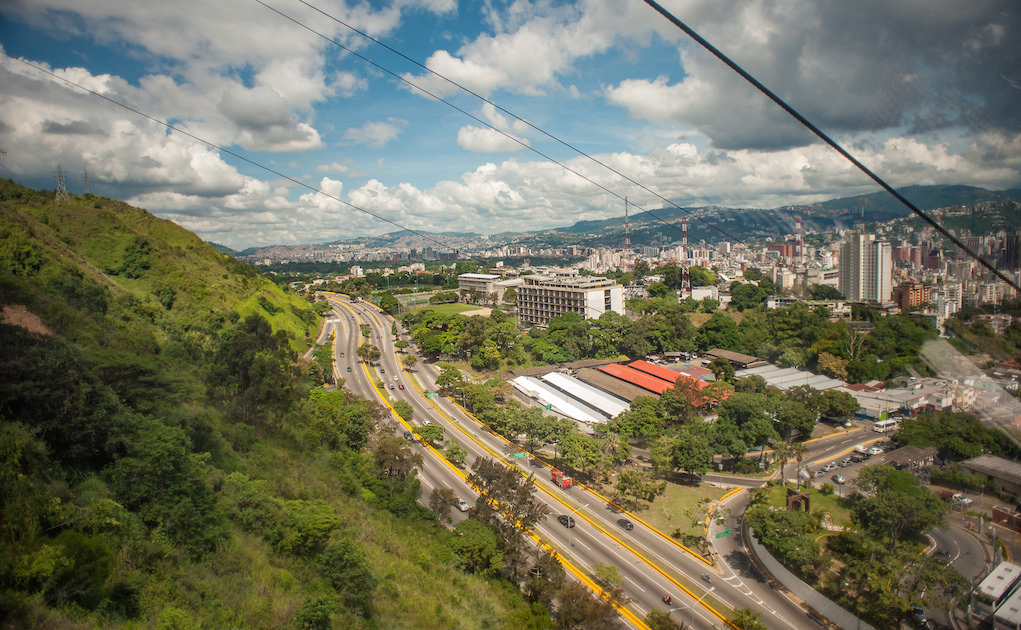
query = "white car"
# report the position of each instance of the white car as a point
(859, 448)
(462, 505)
(396, 377)
(829, 467)
(875, 450)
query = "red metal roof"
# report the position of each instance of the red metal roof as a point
(656, 370)
(641, 379)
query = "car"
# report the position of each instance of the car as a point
(626, 524)
(396, 377)
(918, 614)
(401, 386)
(382, 370)
(408, 436)
(875, 450)
(342, 355)
(960, 499)
(462, 505)
(566, 521)
(349, 368)
(839, 479)
(391, 386)
(819, 473)
(860, 448)
(845, 462)
(829, 467)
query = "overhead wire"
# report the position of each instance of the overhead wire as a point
(825, 138)
(540, 130)
(212, 145)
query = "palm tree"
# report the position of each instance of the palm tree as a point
(799, 450)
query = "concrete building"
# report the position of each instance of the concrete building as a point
(1005, 473)
(481, 282)
(866, 269)
(541, 298)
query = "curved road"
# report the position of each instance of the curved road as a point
(650, 563)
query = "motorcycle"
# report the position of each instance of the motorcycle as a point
(667, 600)
(705, 576)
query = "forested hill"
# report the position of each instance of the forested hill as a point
(166, 461)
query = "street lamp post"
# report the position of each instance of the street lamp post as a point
(697, 602)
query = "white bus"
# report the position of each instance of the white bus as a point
(882, 426)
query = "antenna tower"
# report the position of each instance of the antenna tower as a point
(61, 186)
(627, 228)
(86, 188)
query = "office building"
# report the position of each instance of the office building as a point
(866, 269)
(541, 298)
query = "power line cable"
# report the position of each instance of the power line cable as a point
(825, 138)
(522, 120)
(229, 152)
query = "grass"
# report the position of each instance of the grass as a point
(838, 507)
(666, 513)
(450, 309)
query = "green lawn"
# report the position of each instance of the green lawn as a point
(666, 513)
(450, 309)
(837, 506)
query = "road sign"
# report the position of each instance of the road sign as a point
(725, 533)
(548, 407)
(519, 455)
(430, 394)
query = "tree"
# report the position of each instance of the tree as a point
(441, 500)
(748, 619)
(451, 381)
(690, 450)
(510, 296)
(389, 303)
(681, 401)
(722, 369)
(344, 566)
(395, 461)
(252, 370)
(899, 505)
(409, 361)
(476, 549)
(658, 290)
(824, 292)
(719, 332)
(635, 485)
(578, 608)
(455, 453)
(368, 352)
(832, 365)
(431, 433)
(545, 578)
(643, 419)
(404, 410)
(660, 620)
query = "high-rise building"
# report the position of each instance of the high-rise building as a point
(542, 298)
(866, 269)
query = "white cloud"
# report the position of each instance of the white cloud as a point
(375, 134)
(484, 140)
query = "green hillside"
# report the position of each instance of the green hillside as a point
(167, 462)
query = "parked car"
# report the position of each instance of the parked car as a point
(875, 450)
(566, 521)
(462, 505)
(829, 467)
(819, 473)
(839, 479)
(860, 448)
(626, 524)
(846, 462)
(960, 499)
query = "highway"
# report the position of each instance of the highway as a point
(650, 563)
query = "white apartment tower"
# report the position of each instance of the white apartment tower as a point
(866, 269)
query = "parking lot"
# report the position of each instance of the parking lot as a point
(843, 469)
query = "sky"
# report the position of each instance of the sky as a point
(275, 102)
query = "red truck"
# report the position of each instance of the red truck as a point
(561, 479)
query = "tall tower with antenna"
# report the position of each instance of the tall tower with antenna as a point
(627, 229)
(61, 186)
(86, 187)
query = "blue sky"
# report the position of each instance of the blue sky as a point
(923, 91)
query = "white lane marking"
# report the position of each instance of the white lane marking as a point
(635, 583)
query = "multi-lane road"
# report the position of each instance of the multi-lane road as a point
(650, 563)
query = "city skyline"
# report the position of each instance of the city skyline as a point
(923, 94)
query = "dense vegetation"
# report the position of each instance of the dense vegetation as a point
(875, 567)
(168, 462)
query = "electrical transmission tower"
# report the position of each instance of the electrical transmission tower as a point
(86, 188)
(61, 186)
